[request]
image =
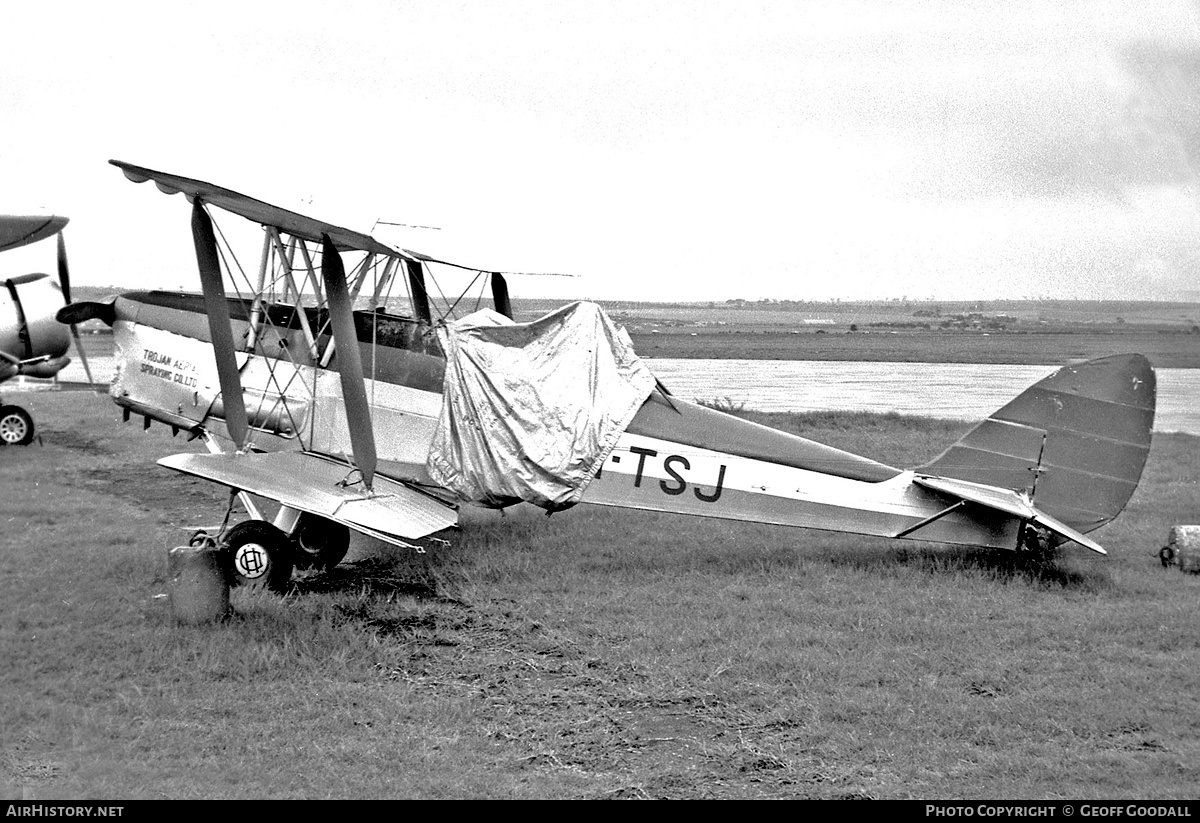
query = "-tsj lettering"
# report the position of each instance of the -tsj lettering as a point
(675, 466)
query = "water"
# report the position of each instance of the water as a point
(952, 390)
(960, 391)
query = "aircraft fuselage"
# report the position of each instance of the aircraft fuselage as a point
(675, 456)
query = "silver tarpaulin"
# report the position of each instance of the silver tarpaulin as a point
(531, 410)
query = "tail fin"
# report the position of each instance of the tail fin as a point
(1074, 442)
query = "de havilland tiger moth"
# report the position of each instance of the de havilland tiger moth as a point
(309, 392)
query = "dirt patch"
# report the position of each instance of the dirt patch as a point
(374, 575)
(74, 440)
(25, 773)
(179, 499)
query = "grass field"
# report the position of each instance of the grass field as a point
(594, 654)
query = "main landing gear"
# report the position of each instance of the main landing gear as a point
(258, 555)
(261, 555)
(16, 426)
(322, 543)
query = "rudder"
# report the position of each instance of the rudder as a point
(1076, 441)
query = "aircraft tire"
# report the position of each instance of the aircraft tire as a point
(258, 556)
(16, 426)
(320, 543)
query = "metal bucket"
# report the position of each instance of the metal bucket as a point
(199, 589)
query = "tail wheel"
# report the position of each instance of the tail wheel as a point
(258, 555)
(1034, 540)
(16, 426)
(322, 543)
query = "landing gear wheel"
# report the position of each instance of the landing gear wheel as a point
(16, 426)
(1166, 556)
(257, 555)
(322, 543)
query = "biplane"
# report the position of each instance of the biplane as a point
(335, 390)
(32, 344)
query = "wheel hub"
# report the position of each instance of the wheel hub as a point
(251, 560)
(12, 428)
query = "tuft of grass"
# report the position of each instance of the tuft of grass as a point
(725, 404)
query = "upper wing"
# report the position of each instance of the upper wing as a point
(256, 210)
(286, 221)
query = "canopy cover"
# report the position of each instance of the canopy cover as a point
(532, 410)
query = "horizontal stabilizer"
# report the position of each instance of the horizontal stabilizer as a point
(393, 512)
(1008, 502)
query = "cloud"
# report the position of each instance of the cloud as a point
(911, 147)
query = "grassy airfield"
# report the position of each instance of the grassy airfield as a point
(595, 654)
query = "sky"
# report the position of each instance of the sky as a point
(859, 149)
